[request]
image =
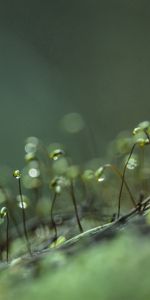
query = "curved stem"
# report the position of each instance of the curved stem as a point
(10, 211)
(52, 218)
(123, 178)
(24, 218)
(7, 236)
(147, 135)
(118, 173)
(75, 205)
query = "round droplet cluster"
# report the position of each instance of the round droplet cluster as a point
(132, 163)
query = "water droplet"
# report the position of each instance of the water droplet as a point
(33, 172)
(31, 144)
(101, 179)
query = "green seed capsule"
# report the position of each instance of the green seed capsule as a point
(99, 174)
(136, 130)
(30, 156)
(3, 212)
(142, 142)
(144, 125)
(56, 154)
(17, 174)
(54, 182)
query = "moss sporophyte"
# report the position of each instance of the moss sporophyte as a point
(67, 194)
(17, 175)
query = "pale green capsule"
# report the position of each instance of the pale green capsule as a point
(99, 174)
(144, 125)
(30, 156)
(142, 142)
(3, 212)
(17, 174)
(136, 130)
(56, 154)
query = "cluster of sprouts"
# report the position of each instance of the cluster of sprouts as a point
(50, 171)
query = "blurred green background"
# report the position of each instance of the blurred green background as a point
(62, 56)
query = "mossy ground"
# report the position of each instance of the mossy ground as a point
(117, 268)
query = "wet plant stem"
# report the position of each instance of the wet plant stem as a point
(123, 180)
(15, 223)
(7, 237)
(10, 211)
(52, 218)
(75, 205)
(24, 218)
(120, 175)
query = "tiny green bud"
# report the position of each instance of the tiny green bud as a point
(99, 174)
(17, 174)
(142, 142)
(56, 154)
(136, 130)
(144, 125)
(3, 212)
